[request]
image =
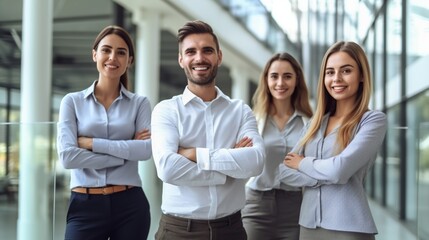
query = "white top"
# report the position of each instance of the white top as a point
(214, 186)
(277, 144)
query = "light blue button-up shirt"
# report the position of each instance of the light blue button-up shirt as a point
(115, 154)
(277, 144)
(334, 195)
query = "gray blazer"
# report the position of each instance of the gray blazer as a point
(334, 194)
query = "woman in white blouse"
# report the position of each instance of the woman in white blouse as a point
(340, 144)
(281, 108)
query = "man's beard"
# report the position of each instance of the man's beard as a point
(202, 81)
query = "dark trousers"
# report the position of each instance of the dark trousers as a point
(272, 214)
(226, 228)
(121, 215)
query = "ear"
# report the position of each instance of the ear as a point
(94, 55)
(180, 59)
(220, 55)
(130, 61)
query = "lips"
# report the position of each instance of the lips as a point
(110, 66)
(338, 88)
(280, 90)
(200, 68)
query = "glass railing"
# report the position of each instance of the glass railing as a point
(423, 182)
(33, 186)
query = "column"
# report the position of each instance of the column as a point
(240, 85)
(36, 67)
(147, 67)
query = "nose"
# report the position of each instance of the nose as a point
(199, 57)
(112, 55)
(337, 77)
(281, 81)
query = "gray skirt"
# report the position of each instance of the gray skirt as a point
(324, 234)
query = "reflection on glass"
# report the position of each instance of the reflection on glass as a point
(394, 131)
(51, 180)
(421, 151)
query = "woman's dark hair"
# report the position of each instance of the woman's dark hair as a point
(121, 32)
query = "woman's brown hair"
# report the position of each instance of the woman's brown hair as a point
(262, 99)
(327, 104)
(121, 32)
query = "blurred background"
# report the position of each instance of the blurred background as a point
(45, 52)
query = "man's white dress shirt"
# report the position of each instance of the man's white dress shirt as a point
(214, 186)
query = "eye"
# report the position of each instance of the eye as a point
(329, 72)
(208, 50)
(273, 76)
(105, 50)
(122, 52)
(189, 52)
(288, 76)
(347, 70)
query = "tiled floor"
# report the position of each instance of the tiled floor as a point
(389, 228)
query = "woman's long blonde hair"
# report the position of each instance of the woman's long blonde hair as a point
(262, 99)
(327, 104)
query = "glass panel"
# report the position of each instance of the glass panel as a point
(378, 67)
(423, 180)
(35, 185)
(394, 132)
(417, 47)
(393, 41)
(3, 96)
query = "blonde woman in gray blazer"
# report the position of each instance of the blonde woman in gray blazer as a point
(281, 108)
(340, 144)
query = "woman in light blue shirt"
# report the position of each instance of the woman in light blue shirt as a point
(339, 146)
(281, 107)
(103, 131)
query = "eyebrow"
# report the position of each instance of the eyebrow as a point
(108, 46)
(343, 66)
(204, 48)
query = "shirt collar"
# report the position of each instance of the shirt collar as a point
(123, 92)
(189, 96)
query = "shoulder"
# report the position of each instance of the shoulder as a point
(138, 98)
(373, 119)
(374, 115)
(74, 96)
(168, 103)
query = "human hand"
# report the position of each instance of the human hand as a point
(189, 153)
(292, 160)
(142, 135)
(244, 142)
(85, 143)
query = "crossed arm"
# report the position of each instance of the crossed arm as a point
(191, 153)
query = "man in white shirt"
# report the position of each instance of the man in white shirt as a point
(205, 147)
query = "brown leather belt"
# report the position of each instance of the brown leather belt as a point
(102, 190)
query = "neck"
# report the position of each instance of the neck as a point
(343, 109)
(107, 88)
(282, 107)
(206, 92)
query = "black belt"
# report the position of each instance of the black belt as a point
(195, 224)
